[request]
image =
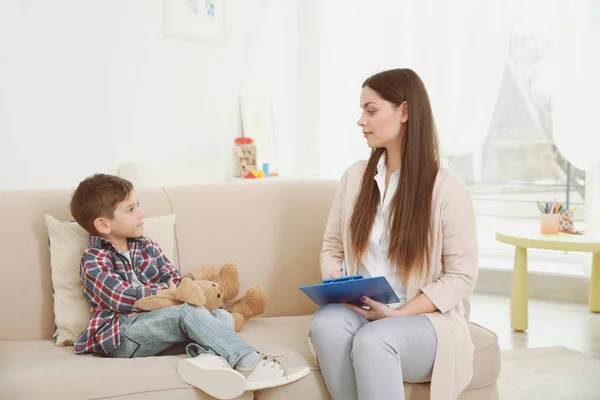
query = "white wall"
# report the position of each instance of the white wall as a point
(356, 40)
(88, 85)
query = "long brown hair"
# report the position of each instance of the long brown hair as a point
(410, 217)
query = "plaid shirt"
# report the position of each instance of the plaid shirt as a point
(112, 284)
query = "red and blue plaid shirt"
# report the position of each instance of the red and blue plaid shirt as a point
(112, 282)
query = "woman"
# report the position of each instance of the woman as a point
(401, 215)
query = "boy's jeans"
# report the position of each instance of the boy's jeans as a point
(150, 333)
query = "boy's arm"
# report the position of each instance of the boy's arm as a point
(168, 272)
(105, 287)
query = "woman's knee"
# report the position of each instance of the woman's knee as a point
(329, 320)
(400, 336)
(367, 339)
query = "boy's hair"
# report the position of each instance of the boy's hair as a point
(97, 196)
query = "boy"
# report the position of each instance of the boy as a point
(120, 266)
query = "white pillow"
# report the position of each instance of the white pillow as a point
(67, 242)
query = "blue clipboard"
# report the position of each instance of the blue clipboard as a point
(349, 289)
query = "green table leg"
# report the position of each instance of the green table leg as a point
(595, 284)
(518, 292)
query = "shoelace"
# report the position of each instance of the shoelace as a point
(276, 359)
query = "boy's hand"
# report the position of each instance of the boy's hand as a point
(170, 291)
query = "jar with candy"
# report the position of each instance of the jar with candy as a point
(244, 155)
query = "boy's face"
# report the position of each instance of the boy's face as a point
(127, 221)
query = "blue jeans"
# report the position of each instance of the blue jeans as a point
(151, 333)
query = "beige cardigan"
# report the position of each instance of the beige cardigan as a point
(452, 274)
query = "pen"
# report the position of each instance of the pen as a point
(343, 267)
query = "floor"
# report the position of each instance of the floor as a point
(551, 323)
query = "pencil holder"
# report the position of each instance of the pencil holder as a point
(566, 222)
(549, 223)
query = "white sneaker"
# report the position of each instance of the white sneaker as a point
(213, 375)
(270, 372)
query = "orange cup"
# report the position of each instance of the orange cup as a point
(549, 223)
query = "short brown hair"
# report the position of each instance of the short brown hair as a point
(97, 196)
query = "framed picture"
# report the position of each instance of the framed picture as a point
(201, 20)
(257, 123)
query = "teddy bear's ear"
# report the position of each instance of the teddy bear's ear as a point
(205, 273)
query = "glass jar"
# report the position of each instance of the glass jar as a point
(244, 156)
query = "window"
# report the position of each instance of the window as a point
(519, 165)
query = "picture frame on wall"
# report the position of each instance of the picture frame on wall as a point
(257, 123)
(195, 20)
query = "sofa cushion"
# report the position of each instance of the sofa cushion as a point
(277, 335)
(486, 363)
(31, 369)
(273, 230)
(67, 241)
(291, 333)
(38, 370)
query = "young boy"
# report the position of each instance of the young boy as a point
(120, 266)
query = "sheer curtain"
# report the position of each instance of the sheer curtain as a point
(458, 48)
(576, 98)
(460, 53)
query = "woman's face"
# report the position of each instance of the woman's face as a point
(381, 121)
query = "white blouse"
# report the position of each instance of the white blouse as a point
(376, 261)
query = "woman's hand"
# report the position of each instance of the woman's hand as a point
(335, 274)
(378, 310)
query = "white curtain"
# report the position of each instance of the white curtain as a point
(576, 97)
(460, 53)
(457, 47)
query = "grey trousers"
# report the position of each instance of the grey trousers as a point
(370, 360)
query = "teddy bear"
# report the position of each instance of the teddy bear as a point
(212, 288)
(199, 293)
(251, 304)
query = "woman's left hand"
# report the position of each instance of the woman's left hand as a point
(377, 310)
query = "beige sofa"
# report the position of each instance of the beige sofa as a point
(271, 228)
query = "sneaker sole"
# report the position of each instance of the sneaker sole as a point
(292, 377)
(218, 382)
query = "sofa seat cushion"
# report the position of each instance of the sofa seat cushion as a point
(38, 370)
(278, 334)
(32, 369)
(486, 362)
